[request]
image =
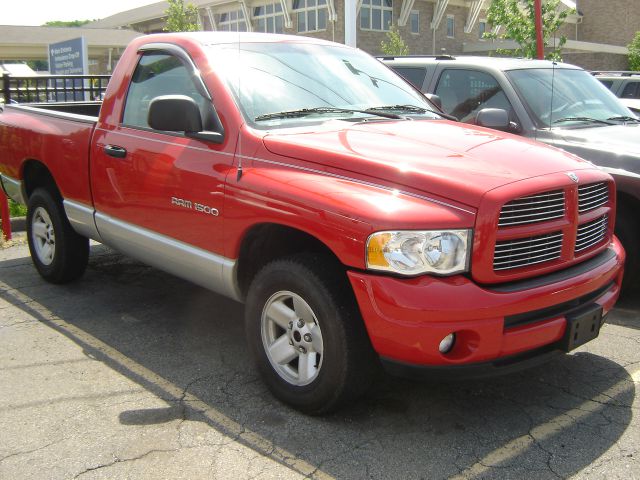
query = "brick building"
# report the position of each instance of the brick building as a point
(598, 33)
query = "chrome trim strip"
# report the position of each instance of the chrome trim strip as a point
(204, 268)
(13, 188)
(81, 219)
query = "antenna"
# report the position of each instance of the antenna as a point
(239, 145)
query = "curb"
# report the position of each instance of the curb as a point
(19, 224)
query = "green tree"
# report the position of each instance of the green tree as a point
(395, 44)
(73, 23)
(634, 53)
(517, 19)
(181, 17)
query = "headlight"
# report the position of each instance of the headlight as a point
(440, 252)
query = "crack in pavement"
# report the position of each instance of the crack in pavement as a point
(26, 452)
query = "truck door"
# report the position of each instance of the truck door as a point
(155, 186)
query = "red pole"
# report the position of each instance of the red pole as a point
(540, 45)
(6, 217)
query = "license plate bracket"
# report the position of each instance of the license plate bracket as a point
(582, 327)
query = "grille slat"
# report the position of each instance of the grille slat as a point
(503, 249)
(601, 199)
(593, 228)
(531, 259)
(592, 233)
(532, 209)
(515, 203)
(587, 238)
(522, 252)
(592, 196)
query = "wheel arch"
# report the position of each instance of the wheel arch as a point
(35, 174)
(265, 242)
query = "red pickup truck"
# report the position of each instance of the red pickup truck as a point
(307, 180)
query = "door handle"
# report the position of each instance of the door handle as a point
(115, 151)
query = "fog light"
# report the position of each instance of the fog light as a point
(447, 343)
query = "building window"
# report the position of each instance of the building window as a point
(451, 26)
(312, 15)
(376, 15)
(269, 18)
(232, 21)
(482, 28)
(414, 20)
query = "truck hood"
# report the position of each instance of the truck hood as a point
(617, 139)
(451, 160)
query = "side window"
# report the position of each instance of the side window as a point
(465, 92)
(414, 75)
(157, 74)
(607, 83)
(631, 90)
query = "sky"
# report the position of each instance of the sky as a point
(37, 12)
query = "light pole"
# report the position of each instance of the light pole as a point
(539, 44)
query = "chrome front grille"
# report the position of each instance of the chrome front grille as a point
(592, 196)
(592, 233)
(527, 251)
(533, 208)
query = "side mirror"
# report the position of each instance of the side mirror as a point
(179, 113)
(174, 113)
(495, 118)
(435, 99)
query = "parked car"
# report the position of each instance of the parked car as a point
(624, 85)
(307, 180)
(555, 103)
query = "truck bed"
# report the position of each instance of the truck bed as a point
(62, 141)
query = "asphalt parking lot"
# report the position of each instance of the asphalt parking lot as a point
(133, 373)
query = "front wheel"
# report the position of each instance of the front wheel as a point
(306, 336)
(59, 254)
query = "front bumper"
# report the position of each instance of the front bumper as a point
(407, 318)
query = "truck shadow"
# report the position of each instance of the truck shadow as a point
(186, 346)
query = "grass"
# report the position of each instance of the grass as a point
(17, 210)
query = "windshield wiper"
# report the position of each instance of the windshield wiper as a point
(582, 119)
(624, 118)
(412, 109)
(303, 112)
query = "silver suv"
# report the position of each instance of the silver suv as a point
(555, 103)
(624, 85)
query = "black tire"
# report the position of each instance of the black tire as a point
(347, 363)
(59, 254)
(628, 231)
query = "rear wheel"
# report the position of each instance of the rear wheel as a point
(306, 336)
(59, 254)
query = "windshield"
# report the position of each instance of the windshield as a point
(306, 78)
(578, 98)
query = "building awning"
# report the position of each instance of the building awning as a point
(31, 43)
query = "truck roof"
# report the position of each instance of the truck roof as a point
(217, 38)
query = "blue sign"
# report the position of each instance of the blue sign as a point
(69, 58)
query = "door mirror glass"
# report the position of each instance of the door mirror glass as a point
(174, 113)
(495, 118)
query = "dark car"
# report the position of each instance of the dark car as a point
(555, 103)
